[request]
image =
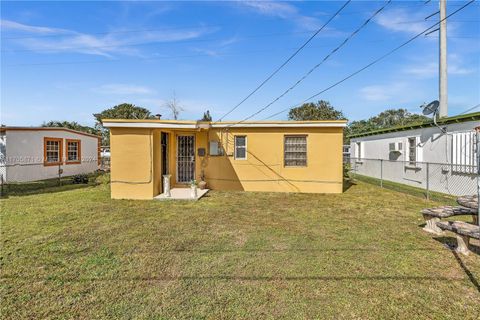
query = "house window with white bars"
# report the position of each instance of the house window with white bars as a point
(464, 152)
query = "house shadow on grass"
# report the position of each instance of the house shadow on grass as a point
(347, 184)
(450, 243)
(45, 186)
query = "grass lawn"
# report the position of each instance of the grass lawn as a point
(76, 253)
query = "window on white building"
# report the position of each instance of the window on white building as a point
(52, 151)
(412, 151)
(464, 152)
(359, 153)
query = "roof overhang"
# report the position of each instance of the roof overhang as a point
(127, 124)
(117, 123)
(285, 124)
(4, 129)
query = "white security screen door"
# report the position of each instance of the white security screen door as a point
(185, 159)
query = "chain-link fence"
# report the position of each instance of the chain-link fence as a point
(437, 181)
(14, 177)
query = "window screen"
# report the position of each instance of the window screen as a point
(73, 148)
(52, 151)
(295, 149)
(240, 147)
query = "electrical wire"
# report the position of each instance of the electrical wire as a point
(373, 62)
(470, 109)
(345, 41)
(286, 61)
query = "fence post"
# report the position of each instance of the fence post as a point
(428, 181)
(59, 175)
(381, 173)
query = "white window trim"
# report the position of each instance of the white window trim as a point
(359, 150)
(235, 147)
(418, 153)
(463, 152)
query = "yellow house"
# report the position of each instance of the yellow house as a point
(274, 156)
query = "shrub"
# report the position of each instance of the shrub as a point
(80, 178)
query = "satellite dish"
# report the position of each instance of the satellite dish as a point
(431, 107)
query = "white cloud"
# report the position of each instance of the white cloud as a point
(429, 69)
(392, 92)
(277, 9)
(284, 11)
(400, 20)
(108, 44)
(124, 89)
(423, 70)
(15, 26)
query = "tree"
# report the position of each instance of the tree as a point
(70, 125)
(124, 111)
(206, 116)
(386, 119)
(121, 111)
(321, 110)
(174, 106)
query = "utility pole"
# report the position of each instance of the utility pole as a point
(442, 76)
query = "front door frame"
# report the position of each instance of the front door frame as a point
(177, 156)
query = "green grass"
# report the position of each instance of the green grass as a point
(45, 186)
(400, 187)
(231, 255)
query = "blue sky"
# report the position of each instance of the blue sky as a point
(65, 61)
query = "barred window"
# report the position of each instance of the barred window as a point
(240, 147)
(295, 151)
(73, 150)
(464, 152)
(52, 149)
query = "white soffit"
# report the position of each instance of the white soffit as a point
(223, 125)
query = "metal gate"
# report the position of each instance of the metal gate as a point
(185, 158)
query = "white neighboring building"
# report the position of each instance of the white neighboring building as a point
(405, 152)
(31, 153)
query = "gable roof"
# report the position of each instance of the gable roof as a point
(456, 119)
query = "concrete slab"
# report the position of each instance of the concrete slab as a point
(181, 194)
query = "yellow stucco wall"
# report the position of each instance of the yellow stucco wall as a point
(136, 157)
(264, 169)
(131, 166)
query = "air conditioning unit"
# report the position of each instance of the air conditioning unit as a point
(395, 147)
(215, 148)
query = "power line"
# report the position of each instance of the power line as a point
(470, 109)
(363, 25)
(286, 61)
(193, 55)
(373, 62)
